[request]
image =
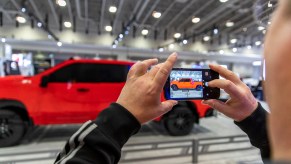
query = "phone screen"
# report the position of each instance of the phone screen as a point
(187, 84)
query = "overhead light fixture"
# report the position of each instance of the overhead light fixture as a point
(23, 9)
(108, 28)
(177, 35)
(185, 41)
(223, 1)
(264, 31)
(144, 32)
(39, 24)
(156, 14)
(171, 46)
(257, 63)
(121, 36)
(114, 46)
(229, 24)
(233, 41)
(260, 28)
(234, 49)
(249, 47)
(59, 44)
(195, 20)
(61, 3)
(245, 29)
(3, 40)
(206, 38)
(112, 9)
(49, 36)
(68, 24)
(258, 43)
(215, 31)
(221, 52)
(270, 4)
(161, 49)
(20, 19)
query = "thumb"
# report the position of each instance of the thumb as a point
(216, 104)
(168, 105)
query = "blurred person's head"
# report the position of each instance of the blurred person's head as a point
(277, 53)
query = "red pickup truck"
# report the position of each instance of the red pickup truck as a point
(73, 92)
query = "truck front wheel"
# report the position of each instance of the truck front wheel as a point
(12, 128)
(179, 121)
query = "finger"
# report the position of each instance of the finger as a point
(132, 70)
(154, 70)
(164, 71)
(216, 104)
(227, 85)
(168, 105)
(143, 66)
(227, 74)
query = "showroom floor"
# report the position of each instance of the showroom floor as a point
(219, 140)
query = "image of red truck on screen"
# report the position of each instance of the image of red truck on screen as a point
(186, 83)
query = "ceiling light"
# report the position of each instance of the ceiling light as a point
(39, 24)
(121, 36)
(215, 31)
(257, 63)
(156, 14)
(113, 46)
(195, 19)
(23, 9)
(161, 49)
(112, 9)
(116, 41)
(258, 43)
(3, 40)
(185, 41)
(67, 24)
(177, 35)
(59, 44)
(144, 32)
(270, 4)
(171, 46)
(61, 3)
(221, 52)
(260, 28)
(108, 28)
(264, 31)
(249, 47)
(269, 22)
(245, 29)
(234, 50)
(49, 36)
(223, 1)
(20, 19)
(233, 41)
(229, 24)
(206, 38)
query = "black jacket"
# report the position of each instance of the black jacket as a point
(100, 141)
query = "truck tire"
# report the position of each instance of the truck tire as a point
(179, 121)
(12, 128)
(174, 87)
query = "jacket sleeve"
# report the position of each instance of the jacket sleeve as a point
(255, 126)
(100, 141)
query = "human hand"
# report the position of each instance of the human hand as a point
(241, 104)
(141, 94)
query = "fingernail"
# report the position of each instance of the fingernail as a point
(203, 102)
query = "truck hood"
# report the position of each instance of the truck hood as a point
(14, 79)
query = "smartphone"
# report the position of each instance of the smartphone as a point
(190, 84)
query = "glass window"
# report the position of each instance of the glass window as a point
(65, 74)
(90, 73)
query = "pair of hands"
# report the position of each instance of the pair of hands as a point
(141, 94)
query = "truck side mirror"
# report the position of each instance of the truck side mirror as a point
(44, 81)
